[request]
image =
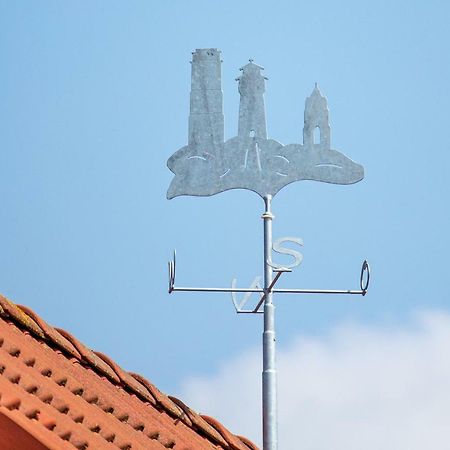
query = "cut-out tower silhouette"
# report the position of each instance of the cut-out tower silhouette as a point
(252, 113)
(206, 122)
(316, 116)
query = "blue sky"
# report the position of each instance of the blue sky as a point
(94, 99)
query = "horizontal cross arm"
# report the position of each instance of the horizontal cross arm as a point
(275, 291)
(364, 285)
(319, 291)
(194, 289)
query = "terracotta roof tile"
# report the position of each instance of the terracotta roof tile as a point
(60, 394)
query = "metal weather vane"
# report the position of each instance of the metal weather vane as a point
(209, 165)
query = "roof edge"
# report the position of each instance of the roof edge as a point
(210, 428)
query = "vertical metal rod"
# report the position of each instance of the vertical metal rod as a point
(269, 375)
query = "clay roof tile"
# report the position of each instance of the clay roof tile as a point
(57, 393)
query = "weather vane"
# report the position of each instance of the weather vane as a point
(209, 165)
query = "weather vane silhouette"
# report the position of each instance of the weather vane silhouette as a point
(209, 165)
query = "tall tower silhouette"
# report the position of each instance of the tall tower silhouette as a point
(206, 123)
(316, 116)
(252, 114)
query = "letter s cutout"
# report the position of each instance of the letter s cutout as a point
(277, 247)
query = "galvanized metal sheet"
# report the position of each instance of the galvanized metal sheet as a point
(209, 165)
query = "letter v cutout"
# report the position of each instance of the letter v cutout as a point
(255, 285)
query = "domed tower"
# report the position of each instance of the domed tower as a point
(206, 122)
(316, 116)
(252, 114)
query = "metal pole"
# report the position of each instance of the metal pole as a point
(269, 375)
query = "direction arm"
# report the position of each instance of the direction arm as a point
(363, 283)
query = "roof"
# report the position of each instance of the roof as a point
(56, 393)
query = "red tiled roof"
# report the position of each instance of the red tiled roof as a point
(56, 393)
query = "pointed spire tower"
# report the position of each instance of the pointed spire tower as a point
(252, 113)
(316, 116)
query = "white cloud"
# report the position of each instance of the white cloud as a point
(371, 388)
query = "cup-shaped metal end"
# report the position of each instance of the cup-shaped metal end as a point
(364, 279)
(172, 268)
